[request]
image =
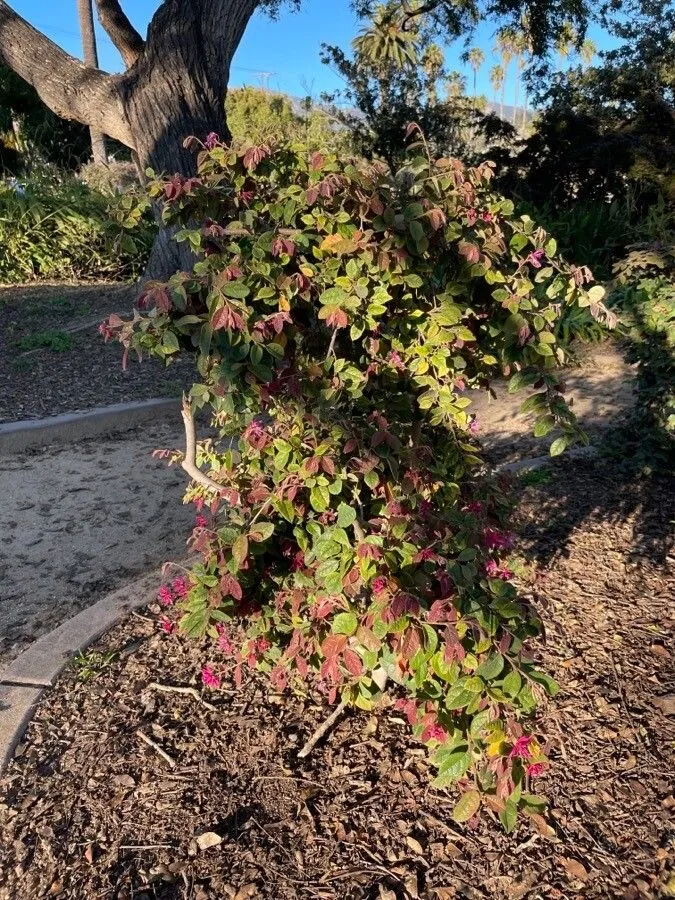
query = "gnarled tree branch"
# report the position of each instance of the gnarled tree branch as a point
(70, 89)
(189, 463)
(120, 30)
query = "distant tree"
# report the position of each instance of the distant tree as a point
(497, 82)
(385, 92)
(385, 41)
(257, 116)
(85, 14)
(475, 58)
(609, 129)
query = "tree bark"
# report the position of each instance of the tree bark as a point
(174, 87)
(90, 56)
(120, 30)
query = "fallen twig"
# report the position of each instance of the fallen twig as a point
(180, 689)
(322, 730)
(149, 741)
(189, 463)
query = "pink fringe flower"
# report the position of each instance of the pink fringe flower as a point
(166, 625)
(378, 585)
(209, 677)
(165, 596)
(521, 748)
(180, 586)
(536, 769)
(201, 522)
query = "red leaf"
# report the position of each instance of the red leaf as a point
(352, 662)
(411, 643)
(228, 318)
(230, 587)
(316, 161)
(333, 645)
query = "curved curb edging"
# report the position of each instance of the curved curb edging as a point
(16, 437)
(538, 462)
(34, 671)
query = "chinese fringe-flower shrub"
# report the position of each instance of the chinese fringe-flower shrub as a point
(338, 315)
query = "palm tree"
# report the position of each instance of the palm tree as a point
(455, 84)
(565, 42)
(432, 64)
(86, 17)
(385, 40)
(587, 52)
(505, 49)
(475, 57)
(497, 82)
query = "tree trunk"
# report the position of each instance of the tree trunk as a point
(174, 87)
(90, 55)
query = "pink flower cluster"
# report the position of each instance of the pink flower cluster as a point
(378, 584)
(498, 540)
(209, 678)
(494, 570)
(167, 595)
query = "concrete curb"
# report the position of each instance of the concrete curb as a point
(538, 462)
(16, 437)
(25, 679)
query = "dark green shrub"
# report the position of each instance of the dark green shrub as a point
(55, 227)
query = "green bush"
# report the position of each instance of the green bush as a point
(644, 296)
(337, 316)
(55, 227)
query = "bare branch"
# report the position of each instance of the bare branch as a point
(322, 730)
(70, 89)
(120, 30)
(189, 464)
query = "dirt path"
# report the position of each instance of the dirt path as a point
(601, 390)
(75, 522)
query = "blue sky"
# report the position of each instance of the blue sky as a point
(282, 54)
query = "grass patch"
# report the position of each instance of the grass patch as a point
(58, 341)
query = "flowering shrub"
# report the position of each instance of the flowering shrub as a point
(337, 316)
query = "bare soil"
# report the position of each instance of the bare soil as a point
(39, 382)
(89, 809)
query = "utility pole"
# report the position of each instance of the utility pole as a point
(86, 17)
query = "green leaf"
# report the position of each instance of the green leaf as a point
(333, 296)
(543, 425)
(596, 293)
(261, 531)
(236, 289)
(318, 500)
(509, 816)
(346, 515)
(466, 807)
(512, 684)
(345, 623)
(549, 684)
(558, 446)
(492, 667)
(240, 550)
(452, 768)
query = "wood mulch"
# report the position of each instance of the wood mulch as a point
(212, 802)
(36, 382)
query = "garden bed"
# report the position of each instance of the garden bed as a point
(92, 809)
(52, 359)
